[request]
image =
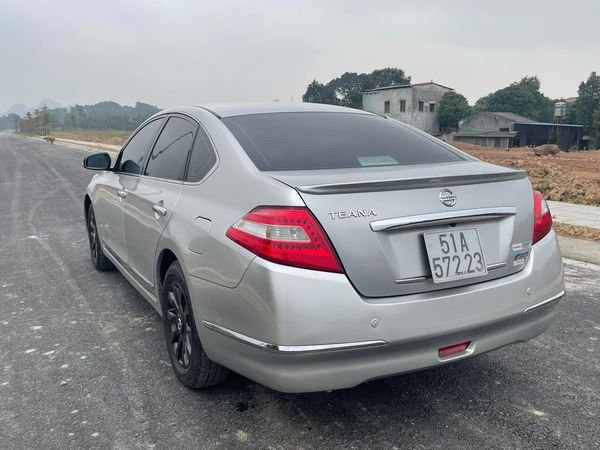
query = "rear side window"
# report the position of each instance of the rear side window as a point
(203, 158)
(170, 153)
(133, 155)
(318, 140)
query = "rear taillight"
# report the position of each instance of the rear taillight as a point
(542, 221)
(290, 236)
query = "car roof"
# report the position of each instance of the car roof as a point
(242, 109)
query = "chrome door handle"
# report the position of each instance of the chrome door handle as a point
(160, 210)
(122, 193)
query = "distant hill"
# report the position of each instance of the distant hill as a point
(21, 109)
(107, 115)
(50, 104)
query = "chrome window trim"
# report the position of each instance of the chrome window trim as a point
(165, 117)
(442, 218)
(214, 166)
(545, 302)
(290, 349)
(160, 116)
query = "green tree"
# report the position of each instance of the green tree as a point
(44, 121)
(532, 83)
(318, 93)
(453, 107)
(588, 100)
(389, 76)
(9, 122)
(346, 90)
(101, 116)
(28, 122)
(595, 128)
(571, 116)
(522, 97)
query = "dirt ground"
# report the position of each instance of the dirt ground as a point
(577, 232)
(568, 177)
(114, 137)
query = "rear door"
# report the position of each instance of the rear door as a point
(152, 197)
(111, 195)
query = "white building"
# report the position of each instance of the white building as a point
(414, 104)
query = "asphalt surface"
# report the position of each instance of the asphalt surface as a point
(83, 363)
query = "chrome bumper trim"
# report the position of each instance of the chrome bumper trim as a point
(545, 302)
(443, 218)
(428, 277)
(290, 349)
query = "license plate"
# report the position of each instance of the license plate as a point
(455, 255)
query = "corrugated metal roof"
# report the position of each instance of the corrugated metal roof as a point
(401, 86)
(484, 133)
(512, 116)
(548, 124)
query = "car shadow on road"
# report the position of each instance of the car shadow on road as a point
(439, 395)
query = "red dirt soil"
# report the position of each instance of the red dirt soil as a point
(572, 177)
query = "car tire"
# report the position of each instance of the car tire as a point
(189, 360)
(99, 259)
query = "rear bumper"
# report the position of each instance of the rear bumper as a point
(299, 331)
(328, 370)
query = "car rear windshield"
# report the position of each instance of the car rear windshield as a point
(324, 140)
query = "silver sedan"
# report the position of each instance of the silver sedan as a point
(312, 247)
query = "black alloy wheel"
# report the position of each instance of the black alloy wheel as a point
(178, 315)
(100, 261)
(92, 234)
(189, 360)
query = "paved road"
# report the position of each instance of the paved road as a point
(83, 364)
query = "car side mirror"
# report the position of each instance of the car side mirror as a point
(97, 161)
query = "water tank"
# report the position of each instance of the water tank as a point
(560, 109)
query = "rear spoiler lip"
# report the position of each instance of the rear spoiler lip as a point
(420, 183)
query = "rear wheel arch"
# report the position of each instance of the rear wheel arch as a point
(86, 204)
(163, 262)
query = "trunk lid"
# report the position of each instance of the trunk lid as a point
(376, 218)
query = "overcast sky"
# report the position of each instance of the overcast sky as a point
(192, 51)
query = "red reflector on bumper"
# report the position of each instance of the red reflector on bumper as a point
(453, 349)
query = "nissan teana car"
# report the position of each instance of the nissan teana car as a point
(313, 247)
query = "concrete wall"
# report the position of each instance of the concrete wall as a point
(486, 121)
(501, 142)
(424, 120)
